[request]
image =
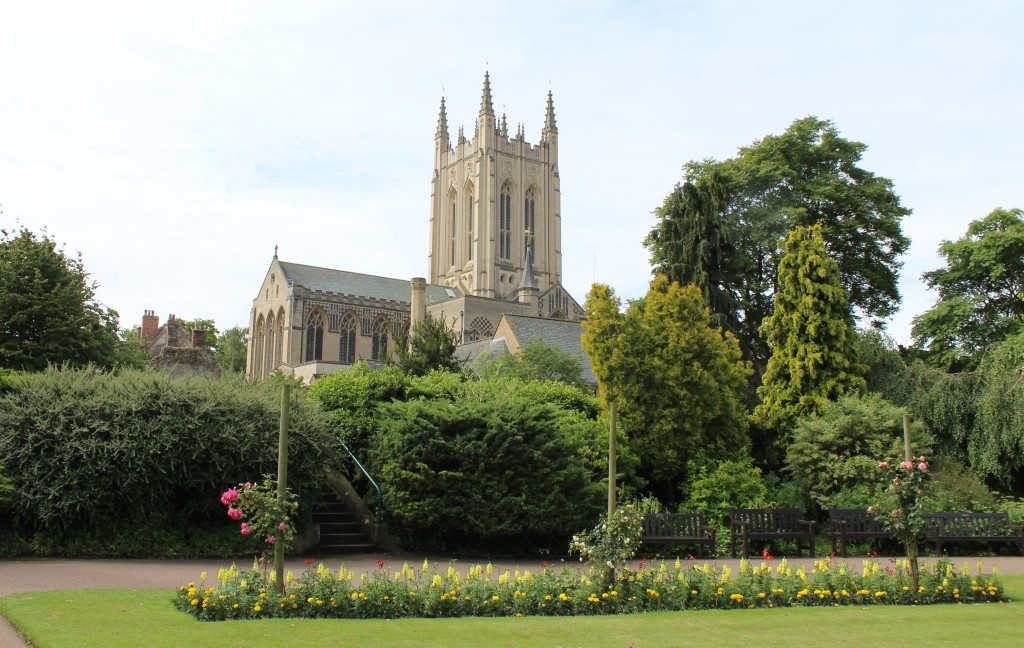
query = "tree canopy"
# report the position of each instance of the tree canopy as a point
(231, 347)
(49, 313)
(810, 334)
(721, 228)
(430, 346)
(678, 382)
(536, 360)
(981, 292)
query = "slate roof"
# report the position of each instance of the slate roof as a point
(495, 348)
(342, 282)
(562, 334)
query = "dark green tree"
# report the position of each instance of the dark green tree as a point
(678, 381)
(130, 352)
(807, 175)
(230, 349)
(981, 292)
(810, 334)
(429, 347)
(49, 313)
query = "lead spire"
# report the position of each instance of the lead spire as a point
(486, 107)
(442, 122)
(549, 119)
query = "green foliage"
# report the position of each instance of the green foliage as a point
(614, 540)
(955, 488)
(207, 326)
(981, 292)
(262, 513)
(722, 228)
(535, 361)
(678, 382)
(834, 454)
(231, 349)
(810, 337)
(6, 486)
(49, 313)
(89, 451)
(997, 445)
(900, 507)
(885, 370)
(715, 487)
(130, 352)
(431, 347)
(480, 476)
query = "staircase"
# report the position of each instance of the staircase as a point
(340, 528)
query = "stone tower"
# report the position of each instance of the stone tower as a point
(487, 193)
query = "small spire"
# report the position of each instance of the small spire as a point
(486, 107)
(462, 135)
(504, 126)
(549, 119)
(442, 122)
(275, 252)
(528, 280)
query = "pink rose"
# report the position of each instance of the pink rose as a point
(271, 540)
(281, 527)
(907, 465)
(246, 529)
(235, 514)
(229, 497)
(922, 466)
(883, 464)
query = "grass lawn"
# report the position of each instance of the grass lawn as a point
(132, 618)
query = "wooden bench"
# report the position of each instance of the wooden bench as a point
(678, 528)
(853, 524)
(769, 524)
(973, 527)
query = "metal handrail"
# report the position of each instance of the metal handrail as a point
(380, 497)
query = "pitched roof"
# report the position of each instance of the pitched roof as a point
(495, 348)
(342, 282)
(562, 334)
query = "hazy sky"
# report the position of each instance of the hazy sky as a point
(174, 144)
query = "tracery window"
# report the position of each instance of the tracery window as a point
(453, 231)
(380, 340)
(257, 356)
(315, 336)
(469, 228)
(529, 221)
(347, 353)
(505, 223)
(280, 340)
(269, 365)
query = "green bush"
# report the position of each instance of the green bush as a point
(89, 452)
(716, 487)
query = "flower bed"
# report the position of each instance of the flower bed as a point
(428, 592)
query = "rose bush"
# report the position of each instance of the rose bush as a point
(261, 512)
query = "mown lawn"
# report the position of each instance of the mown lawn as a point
(132, 618)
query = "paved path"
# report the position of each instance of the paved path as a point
(38, 574)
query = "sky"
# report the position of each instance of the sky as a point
(175, 144)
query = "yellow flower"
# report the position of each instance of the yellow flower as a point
(257, 608)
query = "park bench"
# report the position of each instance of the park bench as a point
(746, 525)
(853, 524)
(678, 528)
(973, 527)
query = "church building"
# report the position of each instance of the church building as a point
(494, 255)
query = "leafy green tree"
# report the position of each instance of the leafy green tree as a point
(996, 446)
(208, 327)
(835, 453)
(678, 381)
(807, 175)
(981, 292)
(48, 308)
(810, 337)
(430, 347)
(6, 486)
(715, 487)
(130, 352)
(231, 348)
(536, 360)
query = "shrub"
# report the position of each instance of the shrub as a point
(89, 451)
(717, 487)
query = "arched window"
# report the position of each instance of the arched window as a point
(347, 353)
(529, 221)
(380, 340)
(271, 344)
(453, 229)
(257, 356)
(505, 223)
(315, 336)
(278, 359)
(469, 228)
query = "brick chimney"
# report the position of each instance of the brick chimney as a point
(150, 323)
(198, 339)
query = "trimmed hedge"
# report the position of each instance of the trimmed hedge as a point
(93, 455)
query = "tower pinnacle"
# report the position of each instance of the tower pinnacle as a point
(549, 119)
(486, 107)
(442, 123)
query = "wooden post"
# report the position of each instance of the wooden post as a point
(611, 456)
(282, 482)
(907, 456)
(912, 548)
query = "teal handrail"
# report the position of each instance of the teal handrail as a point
(380, 497)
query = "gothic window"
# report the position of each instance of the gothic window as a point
(347, 354)
(453, 230)
(257, 356)
(481, 328)
(271, 335)
(380, 340)
(529, 220)
(505, 223)
(469, 228)
(280, 339)
(315, 336)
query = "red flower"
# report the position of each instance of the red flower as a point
(544, 565)
(874, 553)
(643, 561)
(380, 563)
(767, 555)
(309, 562)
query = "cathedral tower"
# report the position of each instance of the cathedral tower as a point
(490, 195)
